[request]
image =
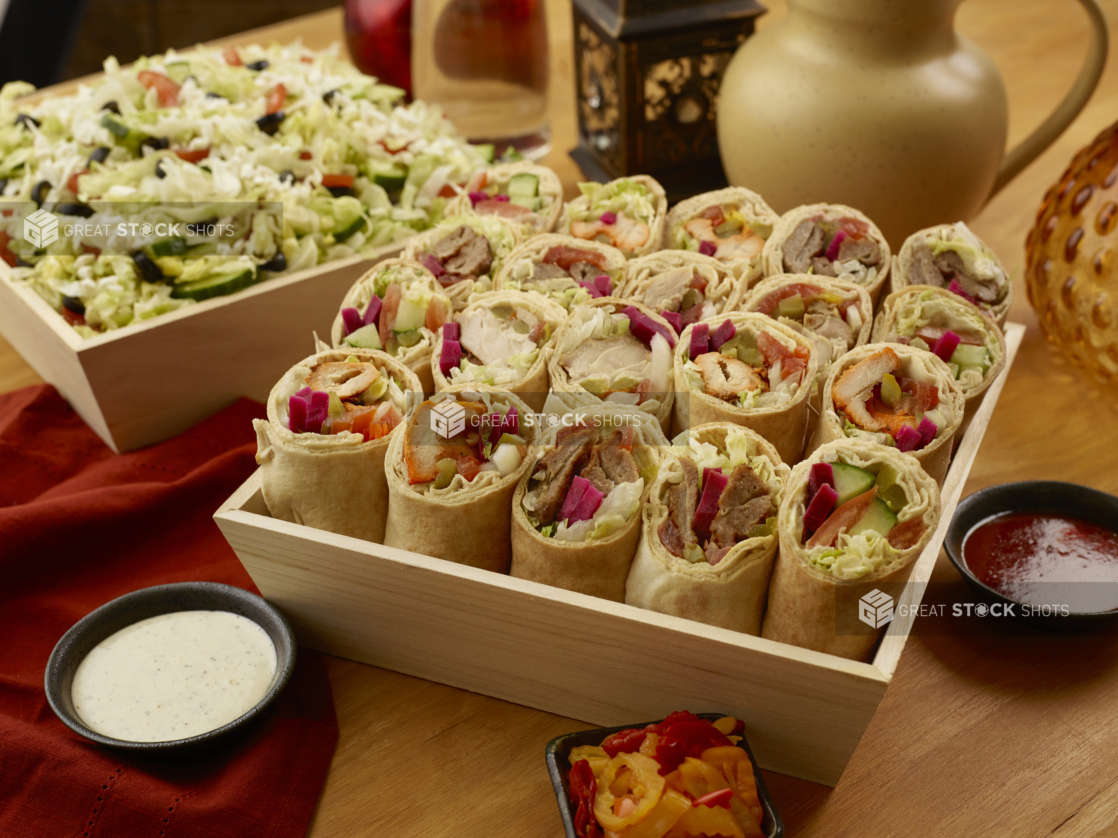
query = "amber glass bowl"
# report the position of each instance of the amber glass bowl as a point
(1071, 254)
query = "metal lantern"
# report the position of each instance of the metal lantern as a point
(647, 75)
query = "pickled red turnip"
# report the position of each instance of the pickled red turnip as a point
(714, 482)
(909, 439)
(700, 340)
(820, 507)
(945, 347)
(351, 320)
(675, 320)
(450, 357)
(821, 475)
(722, 334)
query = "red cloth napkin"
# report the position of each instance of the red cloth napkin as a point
(80, 526)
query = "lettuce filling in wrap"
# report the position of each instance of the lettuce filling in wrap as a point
(622, 213)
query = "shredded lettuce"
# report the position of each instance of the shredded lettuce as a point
(618, 196)
(855, 555)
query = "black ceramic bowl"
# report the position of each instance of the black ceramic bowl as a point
(1048, 496)
(558, 753)
(151, 602)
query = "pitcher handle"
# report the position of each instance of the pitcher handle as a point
(1046, 133)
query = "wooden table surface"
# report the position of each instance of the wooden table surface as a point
(979, 735)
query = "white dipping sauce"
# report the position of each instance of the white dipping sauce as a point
(174, 676)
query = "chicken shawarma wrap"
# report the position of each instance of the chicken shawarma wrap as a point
(528, 195)
(681, 285)
(564, 269)
(627, 213)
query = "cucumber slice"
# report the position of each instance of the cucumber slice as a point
(367, 337)
(532, 203)
(116, 128)
(487, 150)
(346, 229)
(218, 285)
(850, 481)
(412, 314)
(966, 355)
(524, 185)
(177, 71)
(878, 518)
(175, 246)
(390, 177)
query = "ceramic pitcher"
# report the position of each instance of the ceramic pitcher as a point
(881, 105)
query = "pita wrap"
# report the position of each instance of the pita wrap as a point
(494, 182)
(730, 593)
(814, 594)
(738, 383)
(554, 265)
(496, 336)
(692, 285)
(952, 255)
(627, 213)
(850, 408)
(805, 236)
(461, 520)
(334, 481)
(591, 556)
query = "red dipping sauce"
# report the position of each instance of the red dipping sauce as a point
(1043, 559)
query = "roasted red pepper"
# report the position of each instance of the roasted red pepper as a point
(624, 742)
(683, 739)
(583, 788)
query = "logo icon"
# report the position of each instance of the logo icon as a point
(448, 419)
(41, 228)
(875, 609)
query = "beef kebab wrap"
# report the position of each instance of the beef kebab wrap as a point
(855, 517)
(681, 285)
(396, 307)
(465, 253)
(502, 339)
(730, 225)
(951, 256)
(321, 450)
(528, 195)
(748, 370)
(897, 396)
(565, 269)
(834, 314)
(576, 515)
(710, 537)
(614, 352)
(954, 330)
(829, 240)
(452, 470)
(627, 213)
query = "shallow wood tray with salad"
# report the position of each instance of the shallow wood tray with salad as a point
(580, 656)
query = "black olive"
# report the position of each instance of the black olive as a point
(73, 304)
(157, 143)
(100, 154)
(23, 263)
(328, 96)
(39, 193)
(111, 106)
(257, 65)
(287, 176)
(73, 208)
(270, 122)
(341, 191)
(27, 120)
(198, 228)
(276, 264)
(159, 173)
(147, 268)
(3, 184)
(212, 95)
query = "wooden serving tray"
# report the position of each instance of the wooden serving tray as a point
(149, 381)
(603, 662)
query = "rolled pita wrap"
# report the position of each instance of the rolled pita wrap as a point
(730, 225)
(830, 240)
(627, 213)
(562, 268)
(321, 449)
(718, 575)
(922, 316)
(396, 307)
(504, 339)
(452, 471)
(833, 579)
(951, 256)
(465, 253)
(576, 515)
(897, 396)
(681, 282)
(528, 195)
(748, 370)
(615, 352)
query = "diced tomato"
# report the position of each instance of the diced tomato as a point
(165, 88)
(7, 213)
(232, 58)
(6, 254)
(192, 155)
(505, 209)
(276, 97)
(88, 248)
(469, 467)
(537, 332)
(715, 215)
(72, 181)
(843, 518)
(564, 257)
(388, 309)
(478, 182)
(772, 349)
(72, 317)
(906, 534)
(306, 59)
(925, 396)
(698, 283)
(334, 181)
(305, 155)
(448, 191)
(391, 150)
(436, 314)
(856, 228)
(627, 433)
(770, 301)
